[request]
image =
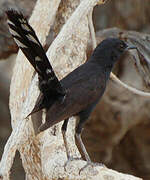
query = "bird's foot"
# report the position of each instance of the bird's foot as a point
(69, 160)
(92, 164)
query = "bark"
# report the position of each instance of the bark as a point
(19, 91)
(43, 156)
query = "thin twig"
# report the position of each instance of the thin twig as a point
(92, 30)
(132, 89)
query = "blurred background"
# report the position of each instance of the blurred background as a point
(118, 133)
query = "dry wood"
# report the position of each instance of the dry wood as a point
(43, 156)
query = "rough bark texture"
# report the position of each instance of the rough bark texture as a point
(35, 151)
(116, 134)
(19, 90)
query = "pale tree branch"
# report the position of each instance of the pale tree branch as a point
(41, 20)
(113, 76)
(92, 30)
(132, 89)
(44, 155)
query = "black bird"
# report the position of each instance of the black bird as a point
(78, 93)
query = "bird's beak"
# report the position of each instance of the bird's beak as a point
(131, 47)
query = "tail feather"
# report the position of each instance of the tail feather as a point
(25, 37)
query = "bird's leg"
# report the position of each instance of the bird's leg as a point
(87, 157)
(64, 129)
(83, 117)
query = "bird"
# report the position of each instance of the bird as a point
(76, 94)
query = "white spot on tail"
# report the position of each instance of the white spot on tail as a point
(10, 22)
(25, 27)
(37, 58)
(48, 71)
(31, 38)
(38, 69)
(51, 78)
(22, 20)
(20, 44)
(13, 32)
(44, 82)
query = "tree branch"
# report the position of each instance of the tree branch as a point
(132, 89)
(44, 156)
(41, 19)
(112, 75)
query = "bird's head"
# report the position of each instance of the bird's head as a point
(109, 51)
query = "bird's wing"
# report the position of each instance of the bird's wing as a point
(85, 85)
(83, 73)
(84, 90)
(26, 39)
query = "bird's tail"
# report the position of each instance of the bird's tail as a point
(25, 37)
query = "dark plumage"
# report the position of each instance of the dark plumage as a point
(78, 93)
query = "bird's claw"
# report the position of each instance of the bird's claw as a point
(92, 164)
